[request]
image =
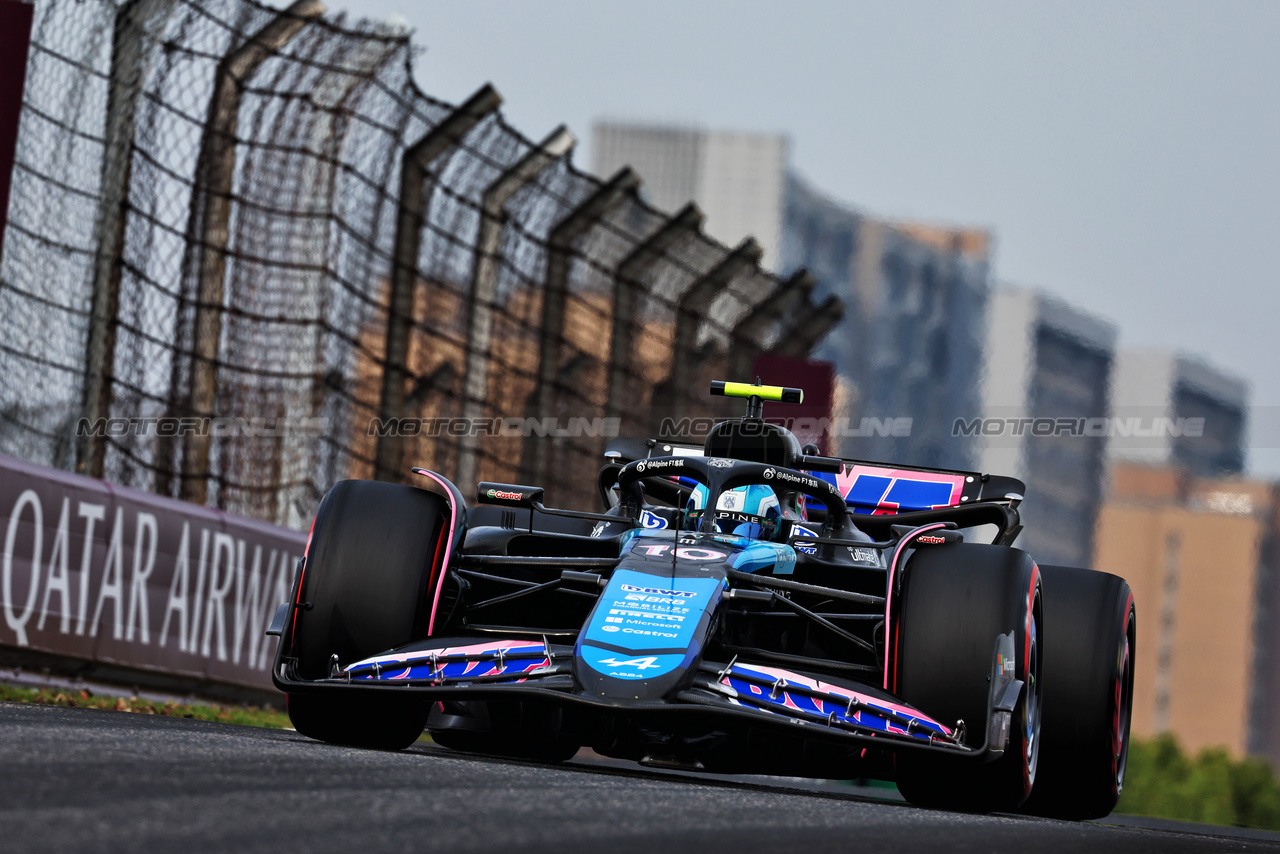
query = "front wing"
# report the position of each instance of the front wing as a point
(764, 696)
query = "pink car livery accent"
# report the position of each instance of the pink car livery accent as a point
(839, 705)
(880, 490)
(446, 542)
(500, 657)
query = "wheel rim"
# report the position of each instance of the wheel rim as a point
(1123, 699)
(1034, 691)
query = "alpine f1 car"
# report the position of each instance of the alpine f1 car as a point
(746, 606)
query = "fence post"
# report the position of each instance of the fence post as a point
(133, 26)
(215, 174)
(798, 338)
(484, 284)
(690, 313)
(542, 402)
(332, 97)
(626, 296)
(408, 241)
(748, 335)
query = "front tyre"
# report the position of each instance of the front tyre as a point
(1086, 726)
(955, 601)
(366, 587)
(358, 720)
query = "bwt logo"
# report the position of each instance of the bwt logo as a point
(658, 591)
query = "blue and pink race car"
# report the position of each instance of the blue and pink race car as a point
(743, 606)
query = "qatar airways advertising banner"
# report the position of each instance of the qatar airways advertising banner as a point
(128, 579)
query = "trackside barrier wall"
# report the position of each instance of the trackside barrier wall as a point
(118, 580)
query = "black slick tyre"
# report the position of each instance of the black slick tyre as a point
(372, 720)
(955, 601)
(365, 588)
(1091, 619)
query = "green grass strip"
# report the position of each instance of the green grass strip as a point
(83, 699)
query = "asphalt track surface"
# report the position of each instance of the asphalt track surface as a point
(77, 780)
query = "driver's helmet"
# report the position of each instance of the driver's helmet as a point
(748, 511)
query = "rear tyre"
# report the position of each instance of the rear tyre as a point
(1090, 616)
(956, 600)
(365, 588)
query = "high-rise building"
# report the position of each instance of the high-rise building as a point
(1264, 687)
(1200, 556)
(738, 179)
(1172, 409)
(908, 351)
(1044, 416)
(910, 344)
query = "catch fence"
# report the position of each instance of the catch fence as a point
(247, 257)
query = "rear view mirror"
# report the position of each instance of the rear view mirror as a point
(509, 494)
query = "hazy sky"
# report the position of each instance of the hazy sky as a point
(1124, 154)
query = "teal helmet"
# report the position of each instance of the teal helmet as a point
(748, 511)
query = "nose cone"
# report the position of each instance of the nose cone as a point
(648, 628)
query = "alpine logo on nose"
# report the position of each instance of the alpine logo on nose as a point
(645, 663)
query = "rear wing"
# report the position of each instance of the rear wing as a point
(880, 489)
(869, 488)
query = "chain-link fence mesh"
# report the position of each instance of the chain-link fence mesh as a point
(246, 257)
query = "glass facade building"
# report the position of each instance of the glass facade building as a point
(910, 345)
(1183, 412)
(1045, 400)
